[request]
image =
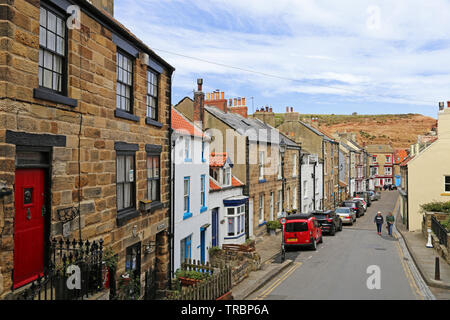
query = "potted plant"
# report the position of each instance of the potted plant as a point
(129, 288)
(190, 277)
(272, 226)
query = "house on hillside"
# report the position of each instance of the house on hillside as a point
(226, 203)
(424, 174)
(381, 164)
(84, 142)
(190, 176)
(265, 161)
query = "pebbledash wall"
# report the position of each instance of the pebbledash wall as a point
(81, 132)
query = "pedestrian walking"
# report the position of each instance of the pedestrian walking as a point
(379, 220)
(390, 222)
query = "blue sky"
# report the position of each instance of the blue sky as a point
(317, 56)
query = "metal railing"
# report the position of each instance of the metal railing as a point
(439, 230)
(52, 284)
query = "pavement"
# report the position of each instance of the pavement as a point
(424, 259)
(341, 267)
(268, 247)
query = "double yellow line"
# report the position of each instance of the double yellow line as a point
(272, 287)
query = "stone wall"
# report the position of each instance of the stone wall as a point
(86, 165)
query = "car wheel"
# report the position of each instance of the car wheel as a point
(351, 223)
(333, 231)
(340, 226)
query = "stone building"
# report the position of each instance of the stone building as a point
(381, 164)
(84, 139)
(254, 149)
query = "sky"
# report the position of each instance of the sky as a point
(317, 56)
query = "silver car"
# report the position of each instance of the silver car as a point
(346, 214)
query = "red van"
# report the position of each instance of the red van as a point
(302, 230)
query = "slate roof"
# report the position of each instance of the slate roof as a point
(246, 125)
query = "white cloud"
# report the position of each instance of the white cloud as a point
(372, 49)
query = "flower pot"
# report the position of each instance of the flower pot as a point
(188, 281)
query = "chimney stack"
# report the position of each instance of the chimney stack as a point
(217, 99)
(199, 104)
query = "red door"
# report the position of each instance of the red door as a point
(28, 226)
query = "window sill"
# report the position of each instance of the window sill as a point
(262, 223)
(188, 160)
(45, 94)
(234, 237)
(125, 216)
(125, 115)
(187, 215)
(150, 207)
(153, 122)
(445, 194)
(203, 209)
(262, 181)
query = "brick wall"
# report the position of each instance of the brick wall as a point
(91, 130)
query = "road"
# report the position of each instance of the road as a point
(339, 268)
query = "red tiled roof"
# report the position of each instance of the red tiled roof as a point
(217, 159)
(213, 186)
(235, 182)
(400, 155)
(182, 125)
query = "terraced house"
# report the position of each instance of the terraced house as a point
(84, 139)
(265, 161)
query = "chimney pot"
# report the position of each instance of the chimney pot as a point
(217, 95)
(239, 102)
(235, 101)
(231, 102)
(199, 84)
(243, 101)
(222, 95)
(287, 109)
(270, 110)
(267, 109)
(292, 109)
(448, 104)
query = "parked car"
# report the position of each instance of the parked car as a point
(329, 221)
(363, 202)
(302, 230)
(347, 215)
(366, 196)
(356, 206)
(375, 196)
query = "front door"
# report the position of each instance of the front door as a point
(215, 228)
(28, 225)
(202, 246)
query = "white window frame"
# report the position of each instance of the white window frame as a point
(261, 165)
(261, 208)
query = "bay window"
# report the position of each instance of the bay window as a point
(236, 221)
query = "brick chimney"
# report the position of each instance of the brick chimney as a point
(291, 116)
(107, 5)
(217, 99)
(199, 105)
(239, 107)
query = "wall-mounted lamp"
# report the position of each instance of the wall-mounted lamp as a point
(149, 247)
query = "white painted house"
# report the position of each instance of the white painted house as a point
(190, 176)
(312, 181)
(226, 202)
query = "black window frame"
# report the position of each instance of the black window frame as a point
(136, 272)
(149, 180)
(147, 82)
(64, 63)
(447, 183)
(133, 60)
(132, 209)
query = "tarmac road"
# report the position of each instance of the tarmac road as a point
(339, 268)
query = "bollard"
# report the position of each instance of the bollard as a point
(437, 273)
(429, 243)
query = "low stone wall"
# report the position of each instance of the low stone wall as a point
(443, 251)
(242, 263)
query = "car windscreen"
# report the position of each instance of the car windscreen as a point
(349, 204)
(342, 210)
(296, 227)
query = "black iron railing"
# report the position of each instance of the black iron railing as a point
(53, 284)
(439, 230)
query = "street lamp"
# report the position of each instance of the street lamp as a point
(282, 152)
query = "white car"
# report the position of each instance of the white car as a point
(364, 203)
(347, 215)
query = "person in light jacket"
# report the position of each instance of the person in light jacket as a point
(379, 220)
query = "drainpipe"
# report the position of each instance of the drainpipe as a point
(247, 187)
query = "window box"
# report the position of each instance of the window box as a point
(150, 206)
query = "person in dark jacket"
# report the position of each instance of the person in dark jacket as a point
(390, 222)
(379, 220)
